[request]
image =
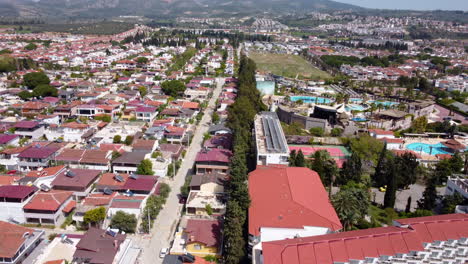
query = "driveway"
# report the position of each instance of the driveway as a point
(415, 191)
(166, 222)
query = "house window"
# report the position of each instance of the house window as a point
(197, 247)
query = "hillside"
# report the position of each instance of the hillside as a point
(89, 9)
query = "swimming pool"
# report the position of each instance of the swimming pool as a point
(358, 119)
(384, 103)
(355, 100)
(428, 148)
(311, 99)
(351, 107)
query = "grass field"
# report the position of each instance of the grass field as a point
(287, 65)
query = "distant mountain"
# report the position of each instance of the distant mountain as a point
(154, 8)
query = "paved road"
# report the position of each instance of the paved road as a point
(166, 222)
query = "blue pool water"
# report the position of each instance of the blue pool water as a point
(355, 100)
(355, 107)
(384, 103)
(358, 119)
(311, 99)
(436, 148)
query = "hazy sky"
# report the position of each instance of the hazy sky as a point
(411, 4)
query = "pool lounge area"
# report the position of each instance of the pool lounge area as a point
(430, 149)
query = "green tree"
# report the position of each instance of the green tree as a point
(292, 158)
(390, 192)
(94, 216)
(143, 91)
(164, 190)
(43, 90)
(379, 177)
(351, 204)
(336, 132)
(408, 205)
(430, 197)
(30, 46)
(449, 203)
(351, 170)
(142, 60)
(173, 88)
(300, 159)
(215, 117)
(117, 139)
(325, 166)
(419, 124)
(34, 79)
(124, 222)
(208, 209)
(234, 241)
(115, 154)
(145, 167)
(128, 140)
(407, 169)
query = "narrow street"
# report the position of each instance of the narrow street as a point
(166, 222)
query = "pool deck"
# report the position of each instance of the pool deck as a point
(431, 141)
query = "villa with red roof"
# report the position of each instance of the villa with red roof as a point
(36, 156)
(288, 202)
(380, 133)
(12, 200)
(212, 160)
(29, 129)
(48, 207)
(17, 242)
(432, 239)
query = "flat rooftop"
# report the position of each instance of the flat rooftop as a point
(269, 134)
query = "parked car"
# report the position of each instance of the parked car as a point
(163, 252)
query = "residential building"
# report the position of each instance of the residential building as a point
(203, 237)
(36, 157)
(129, 161)
(457, 183)
(432, 239)
(270, 142)
(146, 113)
(212, 161)
(12, 200)
(198, 201)
(288, 202)
(17, 242)
(29, 129)
(99, 246)
(48, 207)
(79, 181)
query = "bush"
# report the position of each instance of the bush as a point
(317, 131)
(117, 139)
(164, 190)
(124, 222)
(336, 132)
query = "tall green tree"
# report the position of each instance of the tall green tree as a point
(292, 158)
(234, 241)
(173, 88)
(430, 197)
(379, 177)
(390, 192)
(407, 169)
(325, 166)
(351, 170)
(300, 159)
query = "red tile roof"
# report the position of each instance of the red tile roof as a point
(373, 242)
(46, 171)
(82, 179)
(392, 140)
(11, 238)
(298, 196)
(38, 153)
(381, 132)
(48, 201)
(214, 155)
(16, 191)
(207, 232)
(69, 207)
(26, 124)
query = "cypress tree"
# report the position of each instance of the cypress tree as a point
(429, 198)
(234, 242)
(408, 205)
(379, 175)
(292, 158)
(300, 160)
(390, 192)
